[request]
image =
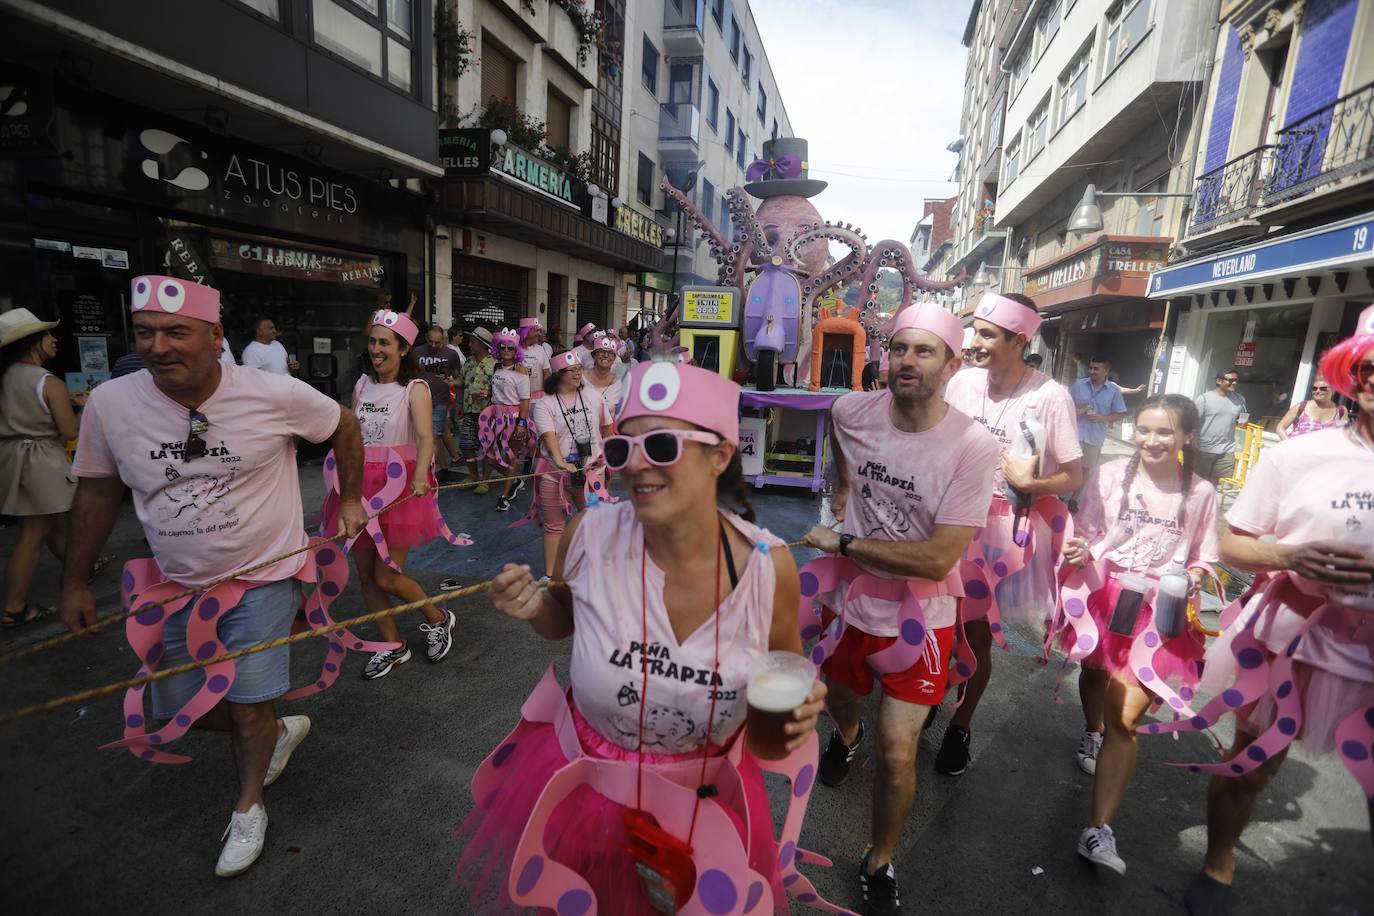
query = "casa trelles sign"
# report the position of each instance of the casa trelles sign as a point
(1110, 266)
(638, 226)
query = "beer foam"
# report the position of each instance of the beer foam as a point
(777, 691)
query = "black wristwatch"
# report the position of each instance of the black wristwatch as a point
(845, 541)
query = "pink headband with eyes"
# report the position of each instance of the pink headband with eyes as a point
(586, 330)
(565, 360)
(404, 326)
(930, 317)
(604, 343)
(1008, 314)
(697, 396)
(530, 323)
(156, 293)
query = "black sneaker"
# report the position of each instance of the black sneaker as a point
(834, 768)
(503, 504)
(931, 716)
(879, 889)
(953, 757)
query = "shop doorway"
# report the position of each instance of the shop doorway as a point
(489, 295)
(592, 302)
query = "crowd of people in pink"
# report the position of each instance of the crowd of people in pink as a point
(701, 657)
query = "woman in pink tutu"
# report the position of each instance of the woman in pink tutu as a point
(503, 427)
(1142, 518)
(1296, 659)
(393, 406)
(632, 791)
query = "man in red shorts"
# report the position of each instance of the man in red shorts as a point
(914, 485)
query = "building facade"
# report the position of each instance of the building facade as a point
(1277, 250)
(142, 144)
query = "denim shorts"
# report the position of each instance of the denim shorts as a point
(440, 414)
(266, 612)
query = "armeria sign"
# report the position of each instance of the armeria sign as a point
(536, 173)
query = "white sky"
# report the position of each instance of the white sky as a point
(876, 88)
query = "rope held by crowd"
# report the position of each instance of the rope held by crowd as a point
(106, 622)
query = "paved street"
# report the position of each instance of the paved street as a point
(363, 820)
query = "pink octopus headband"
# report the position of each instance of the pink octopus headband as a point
(156, 293)
(605, 343)
(930, 317)
(506, 338)
(1342, 361)
(565, 360)
(680, 392)
(1008, 314)
(402, 324)
(585, 331)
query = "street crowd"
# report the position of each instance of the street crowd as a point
(970, 495)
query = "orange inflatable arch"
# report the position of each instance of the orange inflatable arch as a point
(841, 322)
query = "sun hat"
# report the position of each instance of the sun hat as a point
(16, 324)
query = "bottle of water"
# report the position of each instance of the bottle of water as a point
(1172, 601)
(1029, 442)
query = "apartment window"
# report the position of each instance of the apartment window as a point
(746, 69)
(734, 39)
(399, 16)
(1126, 25)
(1020, 71)
(708, 200)
(718, 11)
(712, 103)
(356, 32)
(270, 8)
(1037, 129)
(729, 130)
(1011, 161)
(649, 71)
(1073, 85)
(605, 153)
(644, 184)
(763, 105)
(995, 127)
(1047, 25)
(739, 148)
(558, 121)
(498, 72)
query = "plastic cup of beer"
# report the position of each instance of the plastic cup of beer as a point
(778, 684)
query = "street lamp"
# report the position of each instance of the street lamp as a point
(985, 276)
(1087, 216)
(498, 137)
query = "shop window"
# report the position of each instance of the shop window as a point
(708, 200)
(362, 33)
(1275, 338)
(763, 105)
(558, 121)
(270, 8)
(644, 185)
(649, 68)
(712, 103)
(498, 72)
(1073, 84)
(1037, 129)
(729, 130)
(1126, 26)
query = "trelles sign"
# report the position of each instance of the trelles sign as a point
(638, 226)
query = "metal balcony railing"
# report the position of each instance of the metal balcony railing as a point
(1324, 147)
(1230, 192)
(679, 122)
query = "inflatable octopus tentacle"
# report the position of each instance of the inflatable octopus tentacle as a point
(888, 253)
(719, 243)
(851, 265)
(821, 575)
(747, 224)
(202, 642)
(1072, 611)
(1355, 744)
(595, 490)
(1141, 659)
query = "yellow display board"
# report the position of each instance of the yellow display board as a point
(710, 307)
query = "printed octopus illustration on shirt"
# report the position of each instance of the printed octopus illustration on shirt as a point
(882, 514)
(666, 730)
(374, 429)
(199, 495)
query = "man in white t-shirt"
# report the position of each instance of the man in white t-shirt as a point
(585, 339)
(209, 452)
(265, 352)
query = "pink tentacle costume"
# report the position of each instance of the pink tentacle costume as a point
(497, 423)
(651, 725)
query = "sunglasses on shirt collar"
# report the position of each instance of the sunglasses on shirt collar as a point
(195, 441)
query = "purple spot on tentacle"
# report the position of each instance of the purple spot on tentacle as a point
(154, 739)
(802, 784)
(786, 853)
(217, 684)
(378, 537)
(317, 617)
(1058, 524)
(1153, 728)
(147, 755)
(1287, 725)
(1199, 722)
(529, 875)
(1293, 646)
(330, 463)
(503, 754)
(1185, 692)
(1237, 768)
(1232, 697)
(331, 667)
(395, 469)
(817, 655)
(980, 562)
(574, 903)
(806, 897)
(330, 588)
(755, 894)
(913, 634)
(326, 556)
(1194, 768)
(321, 684)
(182, 720)
(1075, 607)
(1354, 750)
(1086, 641)
(127, 582)
(206, 650)
(963, 669)
(134, 721)
(1000, 569)
(976, 588)
(811, 631)
(151, 616)
(375, 502)
(1175, 702)
(790, 878)
(809, 584)
(1256, 753)
(717, 892)
(1146, 674)
(994, 627)
(208, 609)
(1151, 640)
(1284, 690)
(1249, 658)
(154, 653)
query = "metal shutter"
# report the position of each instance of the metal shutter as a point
(498, 72)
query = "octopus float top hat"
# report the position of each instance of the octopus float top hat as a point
(782, 172)
(697, 396)
(1341, 364)
(404, 326)
(171, 296)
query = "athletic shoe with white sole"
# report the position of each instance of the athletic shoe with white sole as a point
(381, 663)
(834, 763)
(439, 636)
(293, 732)
(879, 889)
(503, 504)
(1088, 747)
(1098, 845)
(953, 756)
(244, 839)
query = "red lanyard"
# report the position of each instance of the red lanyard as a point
(702, 789)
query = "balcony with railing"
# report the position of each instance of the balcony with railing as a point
(684, 27)
(679, 128)
(1332, 148)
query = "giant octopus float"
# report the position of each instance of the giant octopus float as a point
(778, 257)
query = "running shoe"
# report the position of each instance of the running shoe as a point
(244, 839)
(439, 636)
(879, 888)
(381, 663)
(1098, 845)
(1088, 746)
(481, 489)
(834, 766)
(519, 485)
(953, 758)
(503, 504)
(293, 732)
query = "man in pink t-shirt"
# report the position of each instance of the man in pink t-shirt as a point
(914, 482)
(208, 450)
(1000, 391)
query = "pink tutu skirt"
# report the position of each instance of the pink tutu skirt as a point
(1178, 657)
(587, 832)
(496, 426)
(413, 522)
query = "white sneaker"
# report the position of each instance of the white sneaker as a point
(439, 636)
(294, 730)
(381, 663)
(1088, 746)
(246, 833)
(1098, 845)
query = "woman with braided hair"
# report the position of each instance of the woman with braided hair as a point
(1142, 516)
